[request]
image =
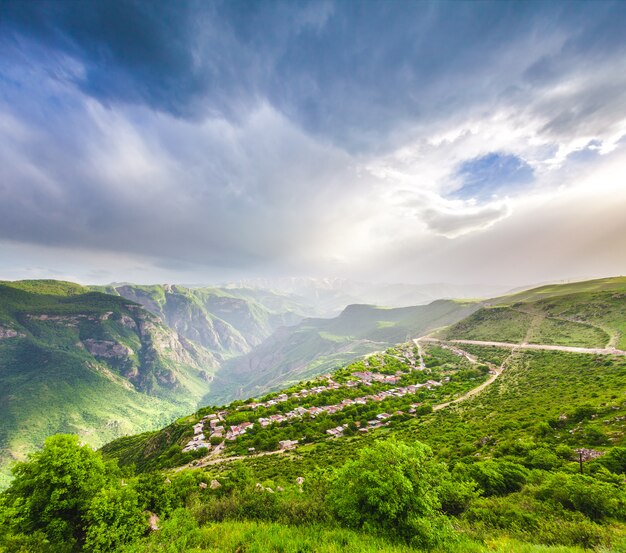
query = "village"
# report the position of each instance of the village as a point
(217, 431)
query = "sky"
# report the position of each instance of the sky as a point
(158, 141)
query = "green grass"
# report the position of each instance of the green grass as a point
(183, 535)
(569, 333)
(600, 303)
(584, 314)
(495, 324)
(46, 287)
(611, 285)
(259, 537)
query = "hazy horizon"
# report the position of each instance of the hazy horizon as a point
(392, 142)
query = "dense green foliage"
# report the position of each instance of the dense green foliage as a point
(392, 489)
(101, 365)
(51, 494)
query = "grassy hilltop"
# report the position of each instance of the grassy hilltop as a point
(584, 314)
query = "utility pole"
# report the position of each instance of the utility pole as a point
(580, 459)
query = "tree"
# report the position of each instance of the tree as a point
(52, 491)
(391, 488)
(115, 518)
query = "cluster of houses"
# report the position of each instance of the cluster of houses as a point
(218, 430)
(299, 412)
(198, 441)
(364, 377)
(296, 395)
(367, 377)
(379, 421)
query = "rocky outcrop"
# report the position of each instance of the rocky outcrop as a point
(66, 320)
(128, 322)
(107, 349)
(6, 332)
(226, 325)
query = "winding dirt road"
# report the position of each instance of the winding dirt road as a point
(494, 369)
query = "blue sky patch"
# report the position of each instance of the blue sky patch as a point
(494, 174)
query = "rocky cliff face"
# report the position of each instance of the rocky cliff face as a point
(98, 365)
(215, 319)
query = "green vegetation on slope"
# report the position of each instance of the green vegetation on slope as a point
(317, 345)
(228, 322)
(601, 285)
(73, 360)
(392, 497)
(497, 471)
(568, 333)
(502, 324)
(584, 314)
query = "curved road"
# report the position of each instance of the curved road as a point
(547, 347)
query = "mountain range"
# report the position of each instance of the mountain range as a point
(120, 359)
(523, 400)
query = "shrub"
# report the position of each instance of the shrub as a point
(496, 477)
(391, 489)
(456, 496)
(614, 460)
(115, 518)
(577, 492)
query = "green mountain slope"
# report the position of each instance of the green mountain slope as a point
(73, 360)
(518, 425)
(585, 314)
(317, 345)
(228, 322)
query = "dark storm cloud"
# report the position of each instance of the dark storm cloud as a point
(164, 54)
(354, 72)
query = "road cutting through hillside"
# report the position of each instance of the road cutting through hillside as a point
(544, 347)
(494, 370)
